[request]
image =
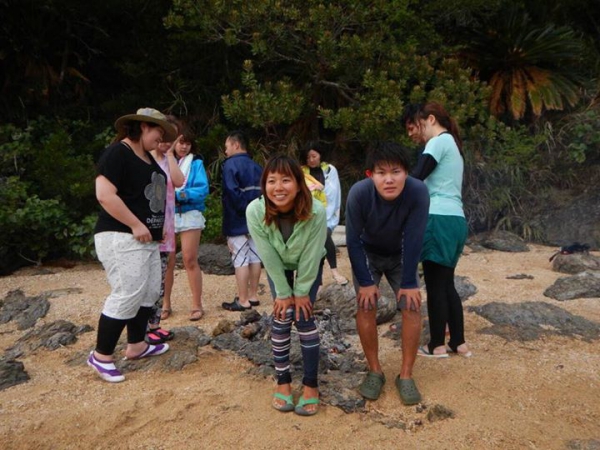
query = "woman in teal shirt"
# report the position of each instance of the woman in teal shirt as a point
(441, 168)
(289, 230)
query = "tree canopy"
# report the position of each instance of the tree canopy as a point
(520, 77)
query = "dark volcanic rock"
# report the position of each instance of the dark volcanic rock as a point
(250, 330)
(582, 285)
(439, 412)
(214, 259)
(24, 310)
(249, 316)
(51, 336)
(386, 421)
(341, 369)
(224, 326)
(519, 276)
(12, 373)
(464, 287)
(55, 293)
(575, 263)
(582, 444)
(341, 301)
(503, 241)
(531, 320)
(340, 389)
(183, 351)
(575, 219)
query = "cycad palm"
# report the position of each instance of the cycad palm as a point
(526, 64)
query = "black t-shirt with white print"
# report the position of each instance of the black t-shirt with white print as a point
(140, 185)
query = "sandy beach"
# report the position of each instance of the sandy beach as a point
(541, 394)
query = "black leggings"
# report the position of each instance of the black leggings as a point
(109, 330)
(330, 247)
(443, 306)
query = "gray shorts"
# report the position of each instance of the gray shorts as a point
(388, 265)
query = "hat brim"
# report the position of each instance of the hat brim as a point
(169, 129)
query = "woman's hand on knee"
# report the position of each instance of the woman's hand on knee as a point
(280, 307)
(304, 306)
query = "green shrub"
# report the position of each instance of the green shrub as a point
(214, 219)
(35, 230)
(47, 188)
(80, 237)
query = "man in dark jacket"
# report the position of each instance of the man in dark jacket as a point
(241, 184)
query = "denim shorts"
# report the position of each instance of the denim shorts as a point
(190, 220)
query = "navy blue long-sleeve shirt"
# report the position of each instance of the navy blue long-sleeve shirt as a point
(386, 228)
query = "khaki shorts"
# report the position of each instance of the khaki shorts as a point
(243, 250)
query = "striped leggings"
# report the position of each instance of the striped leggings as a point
(309, 339)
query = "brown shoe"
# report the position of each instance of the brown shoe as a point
(196, 314)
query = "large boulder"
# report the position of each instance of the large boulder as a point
(575, 263)
(571, 219)
(582, 285)
(341, 301)
(503, 241)
(213, 259)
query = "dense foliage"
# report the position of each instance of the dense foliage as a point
(520, 77)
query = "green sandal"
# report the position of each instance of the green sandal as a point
(409, 394)
(302, 402)
(371, 387)
(289, 402)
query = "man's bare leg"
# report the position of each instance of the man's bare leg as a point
(411, 336)
(253, 280)
(242, 276)
(367, 330)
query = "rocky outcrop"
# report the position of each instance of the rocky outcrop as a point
(576, 219)
(582, 285)
(529, 321)
(24, 310)
(464, 287)
(575, 263)
(12, 373)
(51, 336)
(213, 259)
(503, 241)
(341, 301)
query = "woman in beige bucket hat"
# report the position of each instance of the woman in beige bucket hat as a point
(131, 188)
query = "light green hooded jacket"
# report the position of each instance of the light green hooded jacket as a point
(302, 252)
